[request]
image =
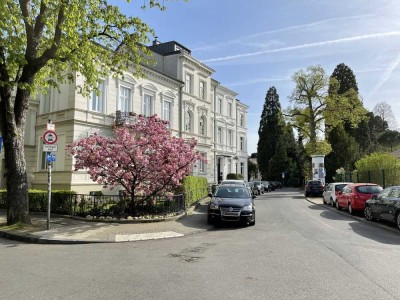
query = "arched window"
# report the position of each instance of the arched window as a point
(189, 121)
(202, 125)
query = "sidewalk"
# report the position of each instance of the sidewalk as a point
(65, 230)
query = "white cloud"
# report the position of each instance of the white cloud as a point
(303, 46)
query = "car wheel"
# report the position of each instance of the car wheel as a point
(368, 213)
(210, 220)
(398, 220)
(307, 194)
(338, 206)
(351, 210)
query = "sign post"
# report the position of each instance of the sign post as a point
(49, 140)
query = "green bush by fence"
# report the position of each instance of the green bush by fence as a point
(234, 176)
(195, 188)
(38, 200)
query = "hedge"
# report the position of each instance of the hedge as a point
(195, 188)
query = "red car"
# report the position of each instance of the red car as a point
(354, 195)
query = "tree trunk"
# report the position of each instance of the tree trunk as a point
(13, 119)
(16, 179)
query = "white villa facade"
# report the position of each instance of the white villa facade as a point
(178, 88)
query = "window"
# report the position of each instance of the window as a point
(219, 105)
(229, 109)
(189, 121)
(219, 135)
(124, 99)
(147, 105)
(241, 146)
(230, 138)
(241, 168)
(241, 121)
(202, 164)
(167, 105)
(97, 100)
(46, 102)
(202, 92)
(188, 83)
(202, 125)
(230, 166)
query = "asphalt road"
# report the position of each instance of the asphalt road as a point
(296, 250)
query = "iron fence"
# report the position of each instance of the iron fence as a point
(115, 206)
(384, 178)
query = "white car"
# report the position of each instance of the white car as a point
(331, 190)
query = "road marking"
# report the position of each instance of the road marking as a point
(127, 237)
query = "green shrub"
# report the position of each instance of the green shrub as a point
(195, 188)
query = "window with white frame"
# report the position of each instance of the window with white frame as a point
(241, 145)
(219, 105)
(241, 168)
(241, 120)
(148, 105)
(46, 102)
(188, 83)
(189, 121)
(202, 125)
(167, 110)
(98, 98)
(202, 164)
(124, 99)
(229, 109)
(202, 90)
(230, 138)
(219, 135)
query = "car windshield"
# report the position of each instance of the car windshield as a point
(339, 187)
(369, 189)
(232, 192)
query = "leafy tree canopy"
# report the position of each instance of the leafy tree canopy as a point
(143, 157)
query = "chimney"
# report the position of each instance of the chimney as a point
(156, 42)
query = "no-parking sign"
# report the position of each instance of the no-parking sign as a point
(50, 137)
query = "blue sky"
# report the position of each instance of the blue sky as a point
(255, 44)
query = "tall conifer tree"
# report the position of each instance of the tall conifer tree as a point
(271, 127)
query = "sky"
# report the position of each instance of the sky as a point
(255, 44)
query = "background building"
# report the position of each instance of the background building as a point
(178, 88)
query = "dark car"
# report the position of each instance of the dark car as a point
(314, 188)
(232, 203)
(384, 206)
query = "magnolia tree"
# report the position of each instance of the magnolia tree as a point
(143, 157)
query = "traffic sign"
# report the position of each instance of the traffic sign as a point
(51, 158)
(50, 148)
(50, 137)
(50, 126)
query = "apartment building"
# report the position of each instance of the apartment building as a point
(179, 89)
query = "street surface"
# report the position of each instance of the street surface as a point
(296, 250)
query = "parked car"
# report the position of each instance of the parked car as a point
(384, 206)
(267, 186)
(259, 187)
(232, 203)
(314, 188)
(331, 191)
(277, 184)
(354, 195)
(253, 190)
(233, 181)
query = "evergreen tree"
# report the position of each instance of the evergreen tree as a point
(345, 152)
(344, 97)
(280, 162)
(271, 127)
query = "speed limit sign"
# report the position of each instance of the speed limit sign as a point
(50, 137)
